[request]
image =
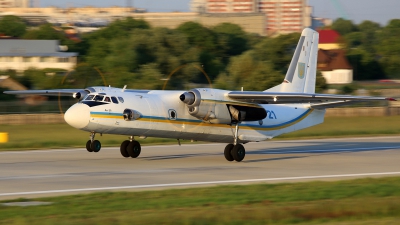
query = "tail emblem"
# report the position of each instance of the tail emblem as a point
(301, 67)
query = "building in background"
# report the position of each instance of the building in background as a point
(282, 16)
(329, 39)
(332, 61)
(21, 55)
(15, 3)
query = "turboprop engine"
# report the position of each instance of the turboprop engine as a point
(201, 104)
(211, 105)
(80, 95)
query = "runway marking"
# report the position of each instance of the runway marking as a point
(206, 144)
(198, 183)
(325, 150)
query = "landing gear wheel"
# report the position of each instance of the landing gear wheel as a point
(227, 152)
(238, 152)
(134, 149)
(88, 143)
(124, 147)
(95, 146)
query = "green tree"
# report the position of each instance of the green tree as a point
(157, 51)
(343, 26)
(321, 84)
(205, 40)
(249, 72)
(199, 36)
(45, 32)
(365, 66)
(231, 40)
(278, 50)
(46, 78)
(12, 26)
(120, 28)
(389, 48)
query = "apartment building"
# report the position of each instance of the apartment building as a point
(282, 16)
(21, 55)
(14, 3)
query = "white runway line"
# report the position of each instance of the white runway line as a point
(206, 144)
(199, 183)
(330, 150)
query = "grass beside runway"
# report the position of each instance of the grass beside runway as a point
(63, 136)
(361, 201)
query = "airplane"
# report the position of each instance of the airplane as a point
(206, 114)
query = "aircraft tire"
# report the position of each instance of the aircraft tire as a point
(95, 146)
(88, 148)
(124, 147)
(134, 149)
(227, 152)
(238, 152)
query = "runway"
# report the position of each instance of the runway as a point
(29, 174)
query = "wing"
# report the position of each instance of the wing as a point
(53, 92)
(319, 101)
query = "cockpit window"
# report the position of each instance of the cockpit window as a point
(98, 98)
(114, 99)
(121, 99)
(107, 99)
(89, 97)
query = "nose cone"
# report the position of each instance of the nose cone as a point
(78, 115)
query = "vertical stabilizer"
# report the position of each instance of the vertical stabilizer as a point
(301, 75)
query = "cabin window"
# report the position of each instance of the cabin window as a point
(89, 97)
(121, 99)
(99, 98)
(114, 100)
(107, 99)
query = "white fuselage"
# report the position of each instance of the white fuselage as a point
(163, 114)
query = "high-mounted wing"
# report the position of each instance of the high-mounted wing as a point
(316, 100)
(54, 92)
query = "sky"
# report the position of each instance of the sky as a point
(380, 11)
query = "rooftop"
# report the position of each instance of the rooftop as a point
(12, 47)
(328, 36)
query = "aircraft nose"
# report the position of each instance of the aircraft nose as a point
(78, 115)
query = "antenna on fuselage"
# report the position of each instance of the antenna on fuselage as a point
(123, 89)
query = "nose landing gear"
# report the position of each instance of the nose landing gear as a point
(93, 145)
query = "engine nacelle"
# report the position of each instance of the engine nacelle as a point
(130, 114)
(80, 95)
(196, 107)
(201, 103)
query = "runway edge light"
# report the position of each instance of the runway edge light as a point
(3, 137)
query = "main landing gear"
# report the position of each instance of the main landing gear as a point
(235, 151)
(130, 148)
(93, 145)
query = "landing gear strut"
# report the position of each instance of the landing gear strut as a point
(130, 148)
(235, 151)
(93, 145)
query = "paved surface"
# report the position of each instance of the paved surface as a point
(30, 174)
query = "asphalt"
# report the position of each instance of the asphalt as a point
(29, 174)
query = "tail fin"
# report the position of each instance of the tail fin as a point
(301, 75)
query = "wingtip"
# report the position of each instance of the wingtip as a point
(391, 99)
